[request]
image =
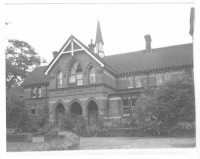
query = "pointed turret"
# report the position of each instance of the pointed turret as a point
(99, 41)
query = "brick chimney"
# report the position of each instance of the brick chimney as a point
(148, 43)
(55, 53)
(91, 46)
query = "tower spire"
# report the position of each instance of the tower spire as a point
(99, 41)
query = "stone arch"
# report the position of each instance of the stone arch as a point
(58, 111)
(75, 107)
(92, 107)
(58, 69)
(89, 65)
(71, 62)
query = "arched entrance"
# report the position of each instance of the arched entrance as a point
(76, 108)
(93, 112)
(59, 111)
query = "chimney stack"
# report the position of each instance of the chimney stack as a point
(148, 43)
(55, 53)
(91, 46)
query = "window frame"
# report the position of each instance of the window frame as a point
(126, 108)
(93, 75)
(166, 79)
(128, 80)
(59, 79)
(158, 79)
(75, 74)
(136, 81)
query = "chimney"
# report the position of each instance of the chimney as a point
(55, 53)
(148, 43)
(91, 46)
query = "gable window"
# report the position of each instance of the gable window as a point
(34, 92)
(92, 75)
(138, 82)
(126, 108)
(59, 79)
(130, 82)
(159, 79)
(167, 76)
(76, 74)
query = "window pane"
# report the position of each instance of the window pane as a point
(72, 79)
(92, 78)
(79, 82)
(125, 102)
(79, 69)
(133, 101)
(92, 70)
(130, 82)
(79, 76)
(138, 81)
(34, 92)
(167, 76)
(39, 91)
(73, 70)
(159, 79)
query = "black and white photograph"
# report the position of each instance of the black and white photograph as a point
(100, 76)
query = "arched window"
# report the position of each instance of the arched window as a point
(138, 82)
(92, 75)
(59, 79)
(159, 79)
(130, 82)
(167, 76)
(76, 74)
(38, 91)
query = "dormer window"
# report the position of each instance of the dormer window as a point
(159, 79)
(76, 74)
(34, 92)
(59, 79)
(92, 75)
(167, 76)
(39, 92)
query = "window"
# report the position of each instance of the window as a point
(32, 111)
(92, 75)
(76, 74)
(138, 81)
(130, 82)
(126, 108)
(167, 76)
(133, 107)
(59, 79)
(33, 92)
(38, 91)
(159, 79)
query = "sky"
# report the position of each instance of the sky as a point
(46, 27)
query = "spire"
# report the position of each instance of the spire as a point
(99, 37)
(99, 41)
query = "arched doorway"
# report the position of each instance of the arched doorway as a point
(76, 108)
(93, 112)
(59, 111)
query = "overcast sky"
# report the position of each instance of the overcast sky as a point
(46, 27)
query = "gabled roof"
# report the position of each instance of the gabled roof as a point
(99, 37)
(36, 76)
(84, 47)
(177, 55)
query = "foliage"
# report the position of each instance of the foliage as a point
(17, 115)
(43, 116)
(20, 59)
(162, 108)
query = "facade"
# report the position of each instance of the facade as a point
(82, 80)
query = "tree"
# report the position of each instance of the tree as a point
(162, 108)
(21, 58)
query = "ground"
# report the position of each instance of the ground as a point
(134, 142)
(90, 143)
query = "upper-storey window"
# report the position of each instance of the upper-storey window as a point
(138, 82)
(167, 76)
(76, 74)
(59, 79)
(159, 79)
(130, 82)
(36, 92)
(92, 75)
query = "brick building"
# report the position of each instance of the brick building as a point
(82, 80)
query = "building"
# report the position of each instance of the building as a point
(82, 80)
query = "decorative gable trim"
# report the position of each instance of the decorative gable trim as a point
(71, 41)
